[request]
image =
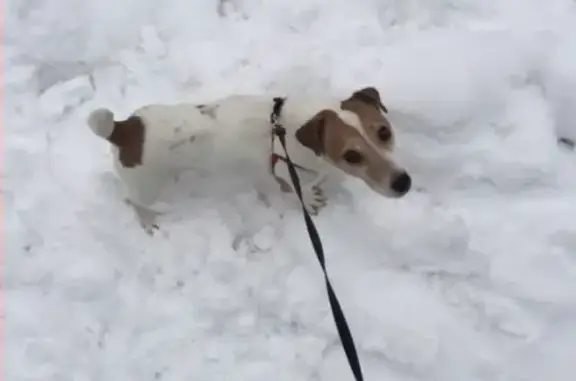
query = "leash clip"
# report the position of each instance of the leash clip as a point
(279, 130)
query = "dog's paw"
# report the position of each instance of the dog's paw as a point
(149, 227)
(146, 217)
(315, 200)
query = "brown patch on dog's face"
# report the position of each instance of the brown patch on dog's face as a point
(128, 137)
(311, 134)
(367, 105)
(344, 146)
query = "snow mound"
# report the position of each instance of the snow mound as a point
(471, 277)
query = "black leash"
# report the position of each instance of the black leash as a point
(339, 319)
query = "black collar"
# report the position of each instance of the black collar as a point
(279, 131)
(275, 116)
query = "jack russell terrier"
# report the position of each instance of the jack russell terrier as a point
(323, 136)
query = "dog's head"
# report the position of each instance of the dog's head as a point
(358, 139)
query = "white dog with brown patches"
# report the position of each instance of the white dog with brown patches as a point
(234, 135)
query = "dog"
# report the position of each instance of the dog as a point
(233, 136)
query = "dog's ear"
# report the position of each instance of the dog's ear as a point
(311, 134)
(371, 96)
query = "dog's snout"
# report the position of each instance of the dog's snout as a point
(401, 183)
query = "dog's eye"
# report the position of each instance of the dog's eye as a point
(384, 133)
(353, 157)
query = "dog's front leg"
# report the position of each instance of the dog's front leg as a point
(314, 197)
(143, 191)
(146, 216)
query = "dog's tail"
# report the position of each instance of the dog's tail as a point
(101, 122)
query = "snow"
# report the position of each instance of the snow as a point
(471, 277)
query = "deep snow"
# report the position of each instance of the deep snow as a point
(471, 277)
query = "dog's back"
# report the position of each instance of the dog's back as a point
(229, 132)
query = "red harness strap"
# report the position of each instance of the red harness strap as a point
(274, 157)
(284, 186)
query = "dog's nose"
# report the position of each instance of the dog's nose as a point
(401, 183)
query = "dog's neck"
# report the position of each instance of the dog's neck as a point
(294, 113)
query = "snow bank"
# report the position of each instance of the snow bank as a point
(470, 277)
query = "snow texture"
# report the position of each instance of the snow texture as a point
(471, 277)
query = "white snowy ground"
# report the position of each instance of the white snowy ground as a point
(471, 277)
